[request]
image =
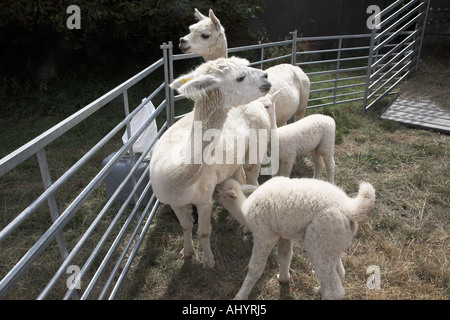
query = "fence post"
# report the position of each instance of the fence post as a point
(294, 48)
(369, 69)
(338, 66)
(262, 58)
(128, 130)
(427, 8)
(167, 53)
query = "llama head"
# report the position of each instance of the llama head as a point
(230, 190)
(233, 80)
(206, 37)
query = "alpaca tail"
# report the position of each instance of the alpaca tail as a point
(363, 203)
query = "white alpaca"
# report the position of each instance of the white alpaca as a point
(313, 134)
(183, 168)
(309, 210)
(207, 38)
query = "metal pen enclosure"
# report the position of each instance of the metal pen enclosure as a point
(342, 69)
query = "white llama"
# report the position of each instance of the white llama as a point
(207, 38)
(181, 176)
(284, 210)
(313, 134)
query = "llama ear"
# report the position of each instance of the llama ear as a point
(179, 82)
(214, 19)
(248, 188)
(274, 95)
(231, 194)
(198, 15)
(193, 87)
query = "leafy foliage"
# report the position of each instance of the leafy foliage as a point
(132, 28)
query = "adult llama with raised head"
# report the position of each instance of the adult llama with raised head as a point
(207, 38)
(180, 177)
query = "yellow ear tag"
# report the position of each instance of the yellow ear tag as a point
(183, 81)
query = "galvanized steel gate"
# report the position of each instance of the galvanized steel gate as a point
(348, 69)
(395, 46)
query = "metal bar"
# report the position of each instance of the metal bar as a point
(336, 96)
(333, 71)
(369, 68)
(294, 48)
(272, 59)
(338, 88)
(337, 69)
(424, 22)
(322, 38)
(331, 104)
(332, 50)
(261, 45)
(130, 151)
(262, 59)
(332, 60)
(341, 79)
(165, 47)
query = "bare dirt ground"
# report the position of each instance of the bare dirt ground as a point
(431, 82)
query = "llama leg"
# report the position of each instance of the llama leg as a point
(340, 269)
(286, 166)
(325, 260)
(204, 233)
(252, 172)
(329, 164)
(184, 215)
(304, 97)
(260, 253)
(300, 113)
(318, 164)
(326, 271)
(284, 252)
(239, 175)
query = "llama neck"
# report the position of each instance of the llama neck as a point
(218, 49)
(210, 108)
(209, 113)
(235, 209)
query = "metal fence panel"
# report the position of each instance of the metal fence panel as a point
(394, 48)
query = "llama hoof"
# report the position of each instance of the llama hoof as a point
(182, 255)
(209, 264)
(284, 279)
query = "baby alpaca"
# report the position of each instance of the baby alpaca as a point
(313, 211)
(313, 134)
